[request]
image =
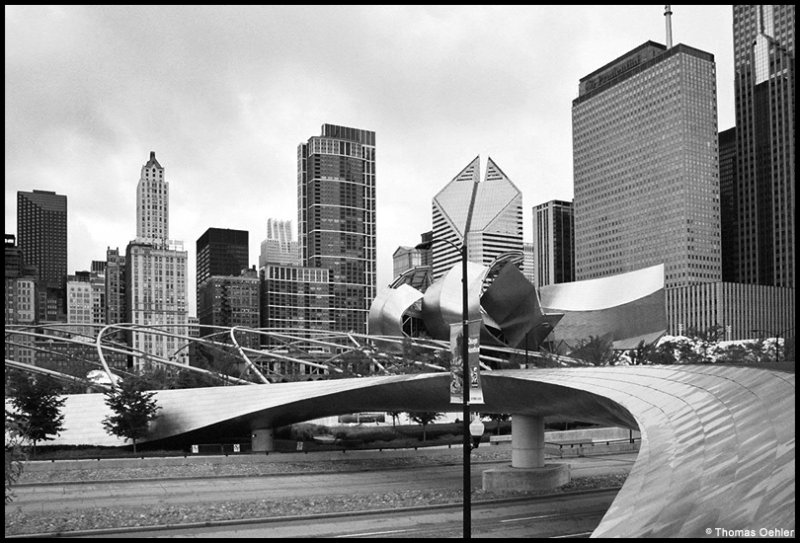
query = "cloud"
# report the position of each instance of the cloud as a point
(224, 94)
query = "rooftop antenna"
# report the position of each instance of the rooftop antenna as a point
(668, 16)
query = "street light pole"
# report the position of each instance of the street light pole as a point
(465, 394)
(467, 474)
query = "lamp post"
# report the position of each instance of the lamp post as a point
(467, 477)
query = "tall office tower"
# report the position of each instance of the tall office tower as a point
(222, 251)
(490, 212)
(230, 301)
(13, 260)
(221, 254)
(279, 247)
(156, 296)
(42, 234)
(296, 297)
(411, 266)
(529, 262)
(727, 201)
(115, 310)
(553, 243)
(280, 231)
(336, 218)
(152, 203)
(156, 271)
(763, 46)
(85, 301)
(20, 287)
(406, 258)
(646, 166)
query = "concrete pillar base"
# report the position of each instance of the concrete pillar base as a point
(262, 440)
(511, 479)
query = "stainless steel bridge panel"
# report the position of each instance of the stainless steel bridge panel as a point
(717, 449)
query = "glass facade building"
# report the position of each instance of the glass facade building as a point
(228, 300)
(553, 243)
(296, 297)
(489, 212)
(42, 235)
(727, 198)
(115, 310)
(223, 294)
(763, 43)
(221, 251)
(646, 167)
(336, 218)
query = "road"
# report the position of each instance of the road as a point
(574, 515)
(75, 496)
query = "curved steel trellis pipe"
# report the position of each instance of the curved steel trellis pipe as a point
(55, 374)
(141, 354)
(246, 358)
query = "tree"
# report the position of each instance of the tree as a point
(14, 455)
(642, 353)
(133, 406)
(37, 406)
(597, 350)
(395, 415)
(424, 418)
(497, 418)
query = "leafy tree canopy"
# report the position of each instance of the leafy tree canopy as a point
(133, 407)
(37, 403)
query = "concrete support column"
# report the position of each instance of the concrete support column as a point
(527, 441)
(262, 440)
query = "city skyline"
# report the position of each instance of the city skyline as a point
(88, 98)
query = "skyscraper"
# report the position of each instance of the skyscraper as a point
(490, 212)
(222, 251)
(763, 43)
(646, 166)
(553, 243)
(279, 247)
(230, 301)
(226, 295)
(336, 218)
(156, 271)
(152, 203)
(115, 310)
(42, 235)
(728, 207)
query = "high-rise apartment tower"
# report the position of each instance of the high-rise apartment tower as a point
(336, 218)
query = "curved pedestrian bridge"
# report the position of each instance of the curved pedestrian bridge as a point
(717, 449)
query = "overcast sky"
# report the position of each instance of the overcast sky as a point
(224, 95)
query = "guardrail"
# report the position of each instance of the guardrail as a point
(581, 448)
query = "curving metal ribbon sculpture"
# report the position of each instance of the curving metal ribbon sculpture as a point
(717, 449)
